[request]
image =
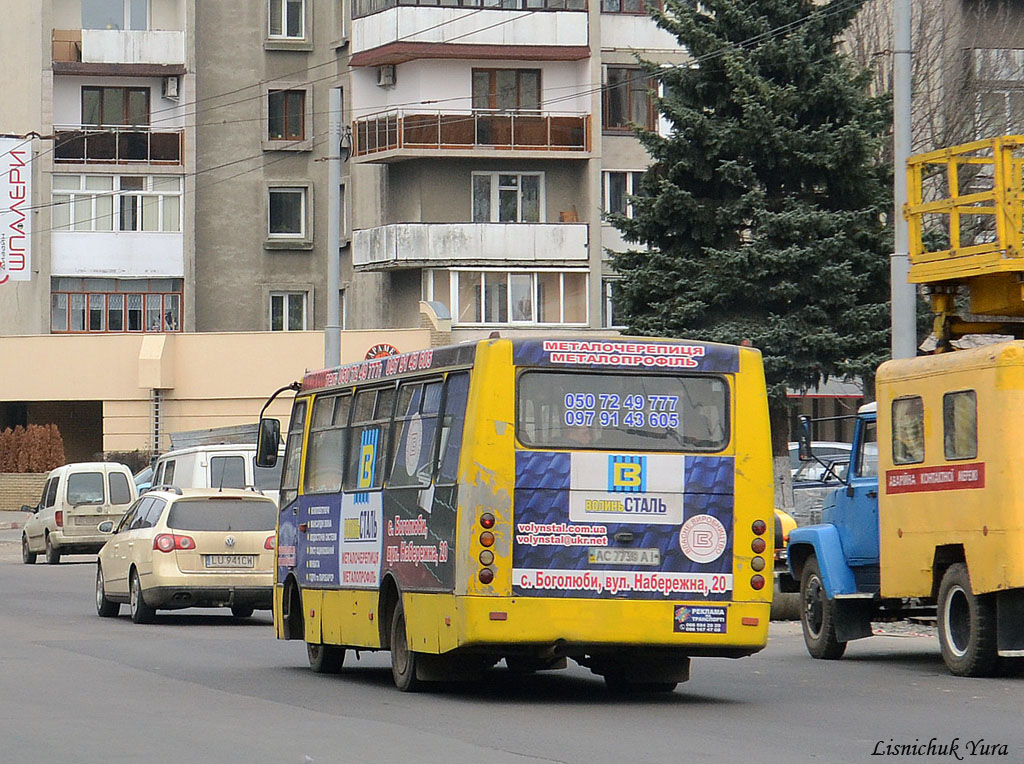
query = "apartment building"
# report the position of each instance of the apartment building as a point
(105, 87)
(478, 153)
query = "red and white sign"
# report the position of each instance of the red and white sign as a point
(15, 202)
(703, 538)
(949, 477)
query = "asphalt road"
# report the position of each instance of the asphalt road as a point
(198, 686)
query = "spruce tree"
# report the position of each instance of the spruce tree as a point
(762, 217)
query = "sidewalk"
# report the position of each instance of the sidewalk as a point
(12, 520)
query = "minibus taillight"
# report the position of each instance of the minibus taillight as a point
(58, 517)
(168, 542)
(487, 520)
(759, 527)
(758, 545)
(269, 543)
(486, 575)
(486, 539)
(757, 583)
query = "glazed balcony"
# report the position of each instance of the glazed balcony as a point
(115, 46)
(390, 32)
(118, 144)
(397, 135)
(418, 245)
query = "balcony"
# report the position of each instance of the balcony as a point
(386, 32)
(118, 144)
(418, 245)
(88, 50)
(401, 134)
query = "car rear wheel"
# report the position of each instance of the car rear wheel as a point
(104, 607)
(242, 611)
(27, 555)
(325, 659)
(141, 612)
(403, 660)
(52, 554)
(966, 623)
(817, 615)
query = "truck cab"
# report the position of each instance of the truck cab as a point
(932, 527)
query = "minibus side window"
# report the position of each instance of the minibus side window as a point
(366, 462)
(51, 492)
(290, 476)
(960, 424)
(416, 426)
(453, 422)
(325, 452)
(908, 431)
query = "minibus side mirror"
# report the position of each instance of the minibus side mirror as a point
(267, 443)
(804, 439)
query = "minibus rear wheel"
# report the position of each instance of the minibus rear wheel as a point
(403, 660)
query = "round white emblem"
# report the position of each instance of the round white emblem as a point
(229, 541)
(702, 538)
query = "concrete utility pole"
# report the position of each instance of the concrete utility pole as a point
(332, 331)
(903, 293)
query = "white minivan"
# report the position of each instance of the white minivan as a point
(220, 466)
(76, 498)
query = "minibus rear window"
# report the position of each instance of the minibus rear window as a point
(622, 412)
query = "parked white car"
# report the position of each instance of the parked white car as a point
(220, 466)
(76, 498)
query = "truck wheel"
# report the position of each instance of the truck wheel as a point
(403, 660)
(817, 615)
(967, 625)
(325, 659)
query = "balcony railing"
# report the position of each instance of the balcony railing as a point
(471, 130)
(118, 144)
(362, 8)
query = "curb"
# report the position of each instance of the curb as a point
(11, 526)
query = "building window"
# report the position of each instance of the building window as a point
(287, 311)
(287, 19)
(510, 297)
(508, 197)
(638, 7)
(286, 115)
(115, 106)
(506, 89)
(115, 305)
(627, 99)
(616, 188)
(287, 213)
(115, 14)
(611, 312)
(149, 203)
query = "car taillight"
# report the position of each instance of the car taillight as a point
(269, 543)
(58, 517)
(168, 542)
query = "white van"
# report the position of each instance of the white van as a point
(221, 466)
(76, 498)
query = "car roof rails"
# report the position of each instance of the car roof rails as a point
(171, 488)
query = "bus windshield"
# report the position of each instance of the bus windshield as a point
(622, 412)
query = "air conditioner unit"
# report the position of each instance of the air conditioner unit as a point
(170, 88)
(386, 76)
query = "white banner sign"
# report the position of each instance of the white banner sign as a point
(15, 218)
